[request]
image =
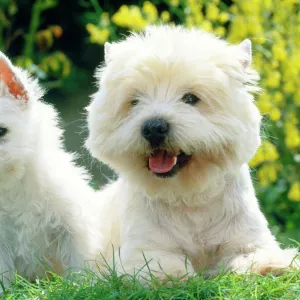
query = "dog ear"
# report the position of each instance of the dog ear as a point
(107, 50)
(9, 81)
(245, 46)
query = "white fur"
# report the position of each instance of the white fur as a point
(208, 211)
(45, 199)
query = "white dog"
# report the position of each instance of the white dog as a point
(44, 198)
(174, 117)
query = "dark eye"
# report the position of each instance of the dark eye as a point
(3, 131)
(190, 99)
(134, 102)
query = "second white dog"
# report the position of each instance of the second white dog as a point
(175, 118)
(45, 200)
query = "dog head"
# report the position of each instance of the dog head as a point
(174, 107)
(18, 93)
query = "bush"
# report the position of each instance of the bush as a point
(50, 67)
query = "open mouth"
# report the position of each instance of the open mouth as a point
(164, 164)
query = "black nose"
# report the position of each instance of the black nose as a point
(155, 131)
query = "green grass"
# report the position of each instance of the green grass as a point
(78, 286)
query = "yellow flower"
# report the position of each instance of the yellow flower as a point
(136, 21)
(212, 12)
(275, 114)
(273, 81)
(165, 16)
(264, 103)
(255, 29)
(297, 97)
(264, 106)
(198, 17)
(174, 2)
(207, 26)
(267, 4)
(189, 22)
(120, 18)
(238, 29)
(150, 11)
(292, 119)
(97, 35)
(130, 17)
(292, 138)
(275, 64)
(266, 152)
(223, 17)
(24, 62)
(234, 9)
(267, 174)
(289, 87)
(279, 53)
(294, 192)
(220, 31)
(258, 61)
(278, 97)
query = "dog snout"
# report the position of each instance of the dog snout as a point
(155, 131)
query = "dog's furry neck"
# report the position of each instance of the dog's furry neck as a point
(196, 198)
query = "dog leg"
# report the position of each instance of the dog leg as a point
(274, 261)
(160, 264)
(265, 261)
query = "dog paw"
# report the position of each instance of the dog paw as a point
(272, 269)
(265, 262)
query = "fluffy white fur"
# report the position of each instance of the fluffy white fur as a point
(208, 211)
(45, 199)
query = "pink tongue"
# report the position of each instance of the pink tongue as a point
(161, 162)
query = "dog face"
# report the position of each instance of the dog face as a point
(174, 107)
(17, 126)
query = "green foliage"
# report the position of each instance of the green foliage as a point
(36, 56)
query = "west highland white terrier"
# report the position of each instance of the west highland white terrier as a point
(175, 118)
(45, 198)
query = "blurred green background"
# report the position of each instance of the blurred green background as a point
(61, 42)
